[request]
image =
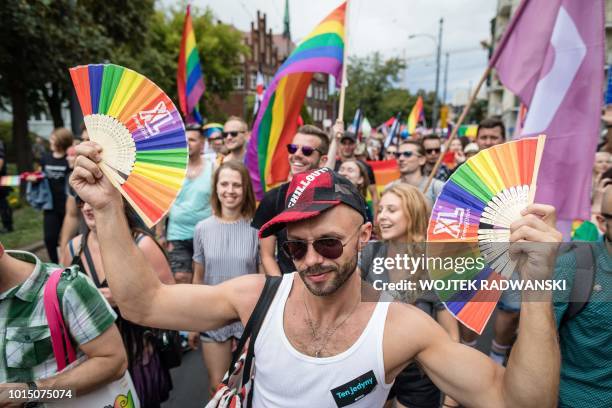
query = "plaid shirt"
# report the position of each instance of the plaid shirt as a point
(26, 353)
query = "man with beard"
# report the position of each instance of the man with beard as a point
(585, 333)
(235, 133)
(307, 151)
(319, 344)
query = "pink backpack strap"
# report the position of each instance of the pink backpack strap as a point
(60, 337)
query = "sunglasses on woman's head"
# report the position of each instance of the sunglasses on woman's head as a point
(330, 248)
(306, 150)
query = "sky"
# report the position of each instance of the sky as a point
(385, 26)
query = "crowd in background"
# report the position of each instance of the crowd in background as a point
(210, 236)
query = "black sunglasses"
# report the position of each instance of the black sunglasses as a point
(233, 133)
(330, 248)
(405, 154)
(306, 150)
(430, 151)
(606, 216)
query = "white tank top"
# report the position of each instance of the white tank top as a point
(284, 377)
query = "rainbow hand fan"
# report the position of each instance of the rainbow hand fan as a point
(471, 220)
(145, 151)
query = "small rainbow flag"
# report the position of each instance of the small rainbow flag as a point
(189, 78)
(10, 181)
(277, 120)
(415, 115)
(385, 172)
(15, 181)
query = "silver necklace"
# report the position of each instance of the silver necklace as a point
(330, 332)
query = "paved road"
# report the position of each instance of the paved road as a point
(190, 383)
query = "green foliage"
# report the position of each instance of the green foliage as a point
(40, 40)
(370, 81)
(28, 228)
(6, 138)
(478, 111)
(373, 87)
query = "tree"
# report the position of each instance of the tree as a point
(39, 41)
(370, 80)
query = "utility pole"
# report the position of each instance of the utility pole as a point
(445, 78)
(436, 106)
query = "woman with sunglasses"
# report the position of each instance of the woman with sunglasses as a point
(225, 247)
(357, 173)
(151, 379)
(402, 223)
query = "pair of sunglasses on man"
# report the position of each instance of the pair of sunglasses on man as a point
(327, 247)
(306, 150)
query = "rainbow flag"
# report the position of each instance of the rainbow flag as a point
(415, 115)
(189, 78)
(468, 131)
(385, 172)
(10, 181)
(277, 120)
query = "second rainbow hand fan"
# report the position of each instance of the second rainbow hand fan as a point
(471, 219)
(141, 132)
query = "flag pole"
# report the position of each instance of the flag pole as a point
(466, 109)
(344, 64)
(502, 44)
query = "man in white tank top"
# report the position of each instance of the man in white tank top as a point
(320, 346)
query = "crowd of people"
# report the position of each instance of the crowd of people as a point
(201, 271)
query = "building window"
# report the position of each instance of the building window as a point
(253, 80)
(309, 92)
(239, 81)
(309, 109)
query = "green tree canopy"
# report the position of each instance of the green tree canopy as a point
(40, 40)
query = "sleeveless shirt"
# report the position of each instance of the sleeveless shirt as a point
(284, 377)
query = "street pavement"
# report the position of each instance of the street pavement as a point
(190, 383)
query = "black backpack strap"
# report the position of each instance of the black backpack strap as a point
(254, 324)
(259, 313)
(583, 281)
(89, 260)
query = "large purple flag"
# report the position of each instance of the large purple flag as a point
(552, 58)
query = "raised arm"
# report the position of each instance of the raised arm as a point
(136, 288)
(337, 132)
(532, 376)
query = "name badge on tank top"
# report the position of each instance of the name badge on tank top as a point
(354, 390)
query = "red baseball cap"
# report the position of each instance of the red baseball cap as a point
(312, 192)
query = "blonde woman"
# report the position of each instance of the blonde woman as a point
(402, 221)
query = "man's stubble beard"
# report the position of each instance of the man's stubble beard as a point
(340, 276)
